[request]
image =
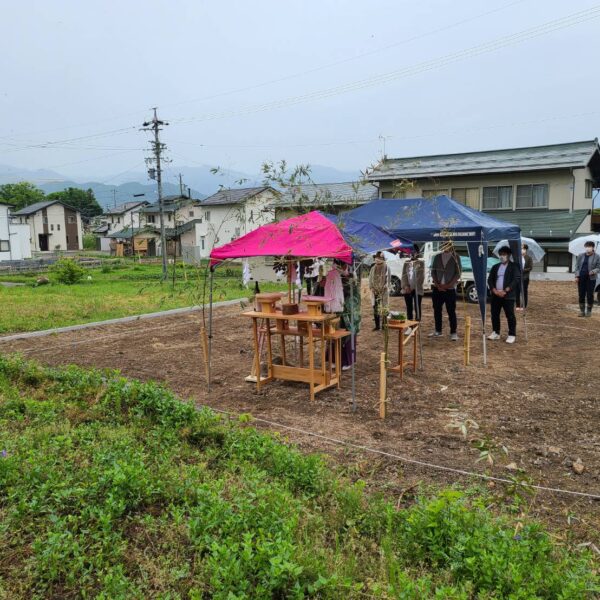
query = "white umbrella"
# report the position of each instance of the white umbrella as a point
(576, 246)
(535, 250)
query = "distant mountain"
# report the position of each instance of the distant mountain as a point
(324, 174)
(203, 181)
(124, 192)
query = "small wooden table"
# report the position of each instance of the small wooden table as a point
(309, 326)
(403, 340)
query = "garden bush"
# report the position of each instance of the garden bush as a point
(67, 271)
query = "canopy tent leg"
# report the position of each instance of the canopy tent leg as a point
(478, 253)
(352, 341)
(210, 322)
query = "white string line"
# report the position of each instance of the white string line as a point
(352, 445)
(405, 459)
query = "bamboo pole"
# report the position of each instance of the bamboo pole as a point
(382, 386)
(204, 343)
(467, 341)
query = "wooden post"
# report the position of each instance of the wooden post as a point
(382, 386)
(467, 341)
(204, 342)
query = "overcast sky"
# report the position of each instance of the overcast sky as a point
(224, 73)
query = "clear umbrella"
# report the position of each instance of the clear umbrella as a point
(535, 250)
(576, 246)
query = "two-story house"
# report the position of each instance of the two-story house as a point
(53, 225)
(122, 217)
(547, 190)
(231, 213)
(14, 237)
(327, 197)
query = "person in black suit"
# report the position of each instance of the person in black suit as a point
(503, 282)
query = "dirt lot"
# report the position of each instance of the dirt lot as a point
(539, 398)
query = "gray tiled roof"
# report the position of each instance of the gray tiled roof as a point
(323, 194)
(543, 224)
(234, 196)
(574, 154)
(33, 208)
(121, 208)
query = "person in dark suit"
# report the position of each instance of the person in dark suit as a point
(503, 282)
(587, 268)
(526, 267)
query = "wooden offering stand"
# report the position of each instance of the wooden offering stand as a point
(403, 340)
(313, 325)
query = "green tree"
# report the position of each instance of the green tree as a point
(82, 200)
(21, 194)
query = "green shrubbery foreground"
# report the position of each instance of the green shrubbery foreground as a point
(112, 488)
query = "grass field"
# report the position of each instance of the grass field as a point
(119, 289)
(112, 488)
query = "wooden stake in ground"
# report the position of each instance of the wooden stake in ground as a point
(382, 386)
(204, 343)
(467, 341)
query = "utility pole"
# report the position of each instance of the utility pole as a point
(181, 185)
(114, 193)
(157, 148)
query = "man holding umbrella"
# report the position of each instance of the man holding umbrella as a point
(587, 268)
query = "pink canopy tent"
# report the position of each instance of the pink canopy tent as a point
(305, 236)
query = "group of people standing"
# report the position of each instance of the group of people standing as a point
(508, 286)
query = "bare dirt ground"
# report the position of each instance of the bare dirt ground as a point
(540, 398)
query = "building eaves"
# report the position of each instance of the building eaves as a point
(543, 224)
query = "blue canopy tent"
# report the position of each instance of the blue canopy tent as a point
(440, 219)
(366, 238)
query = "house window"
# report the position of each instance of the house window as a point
(237, 232)
(191, 213)
(467, 196)
(45, 220)
(202, 243)
(71, 219)
(4, 246)
(207, 216)
(559, 259)
(532, 196)
(589, 188)
(118, 220)
(497, 197)
(434, 193)
(51, 227)
(151, 219)
(58, 227)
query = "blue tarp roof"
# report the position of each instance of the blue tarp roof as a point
(366, 238)
(433, 219)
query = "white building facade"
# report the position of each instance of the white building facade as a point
(53, 226)
(14, 237)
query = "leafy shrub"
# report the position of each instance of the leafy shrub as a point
(114, 488)
(68, 271)
(89, 241)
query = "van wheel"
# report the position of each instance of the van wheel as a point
(471, 293)
(396, 287)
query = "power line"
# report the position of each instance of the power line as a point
(449, 59)
(350, 58)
